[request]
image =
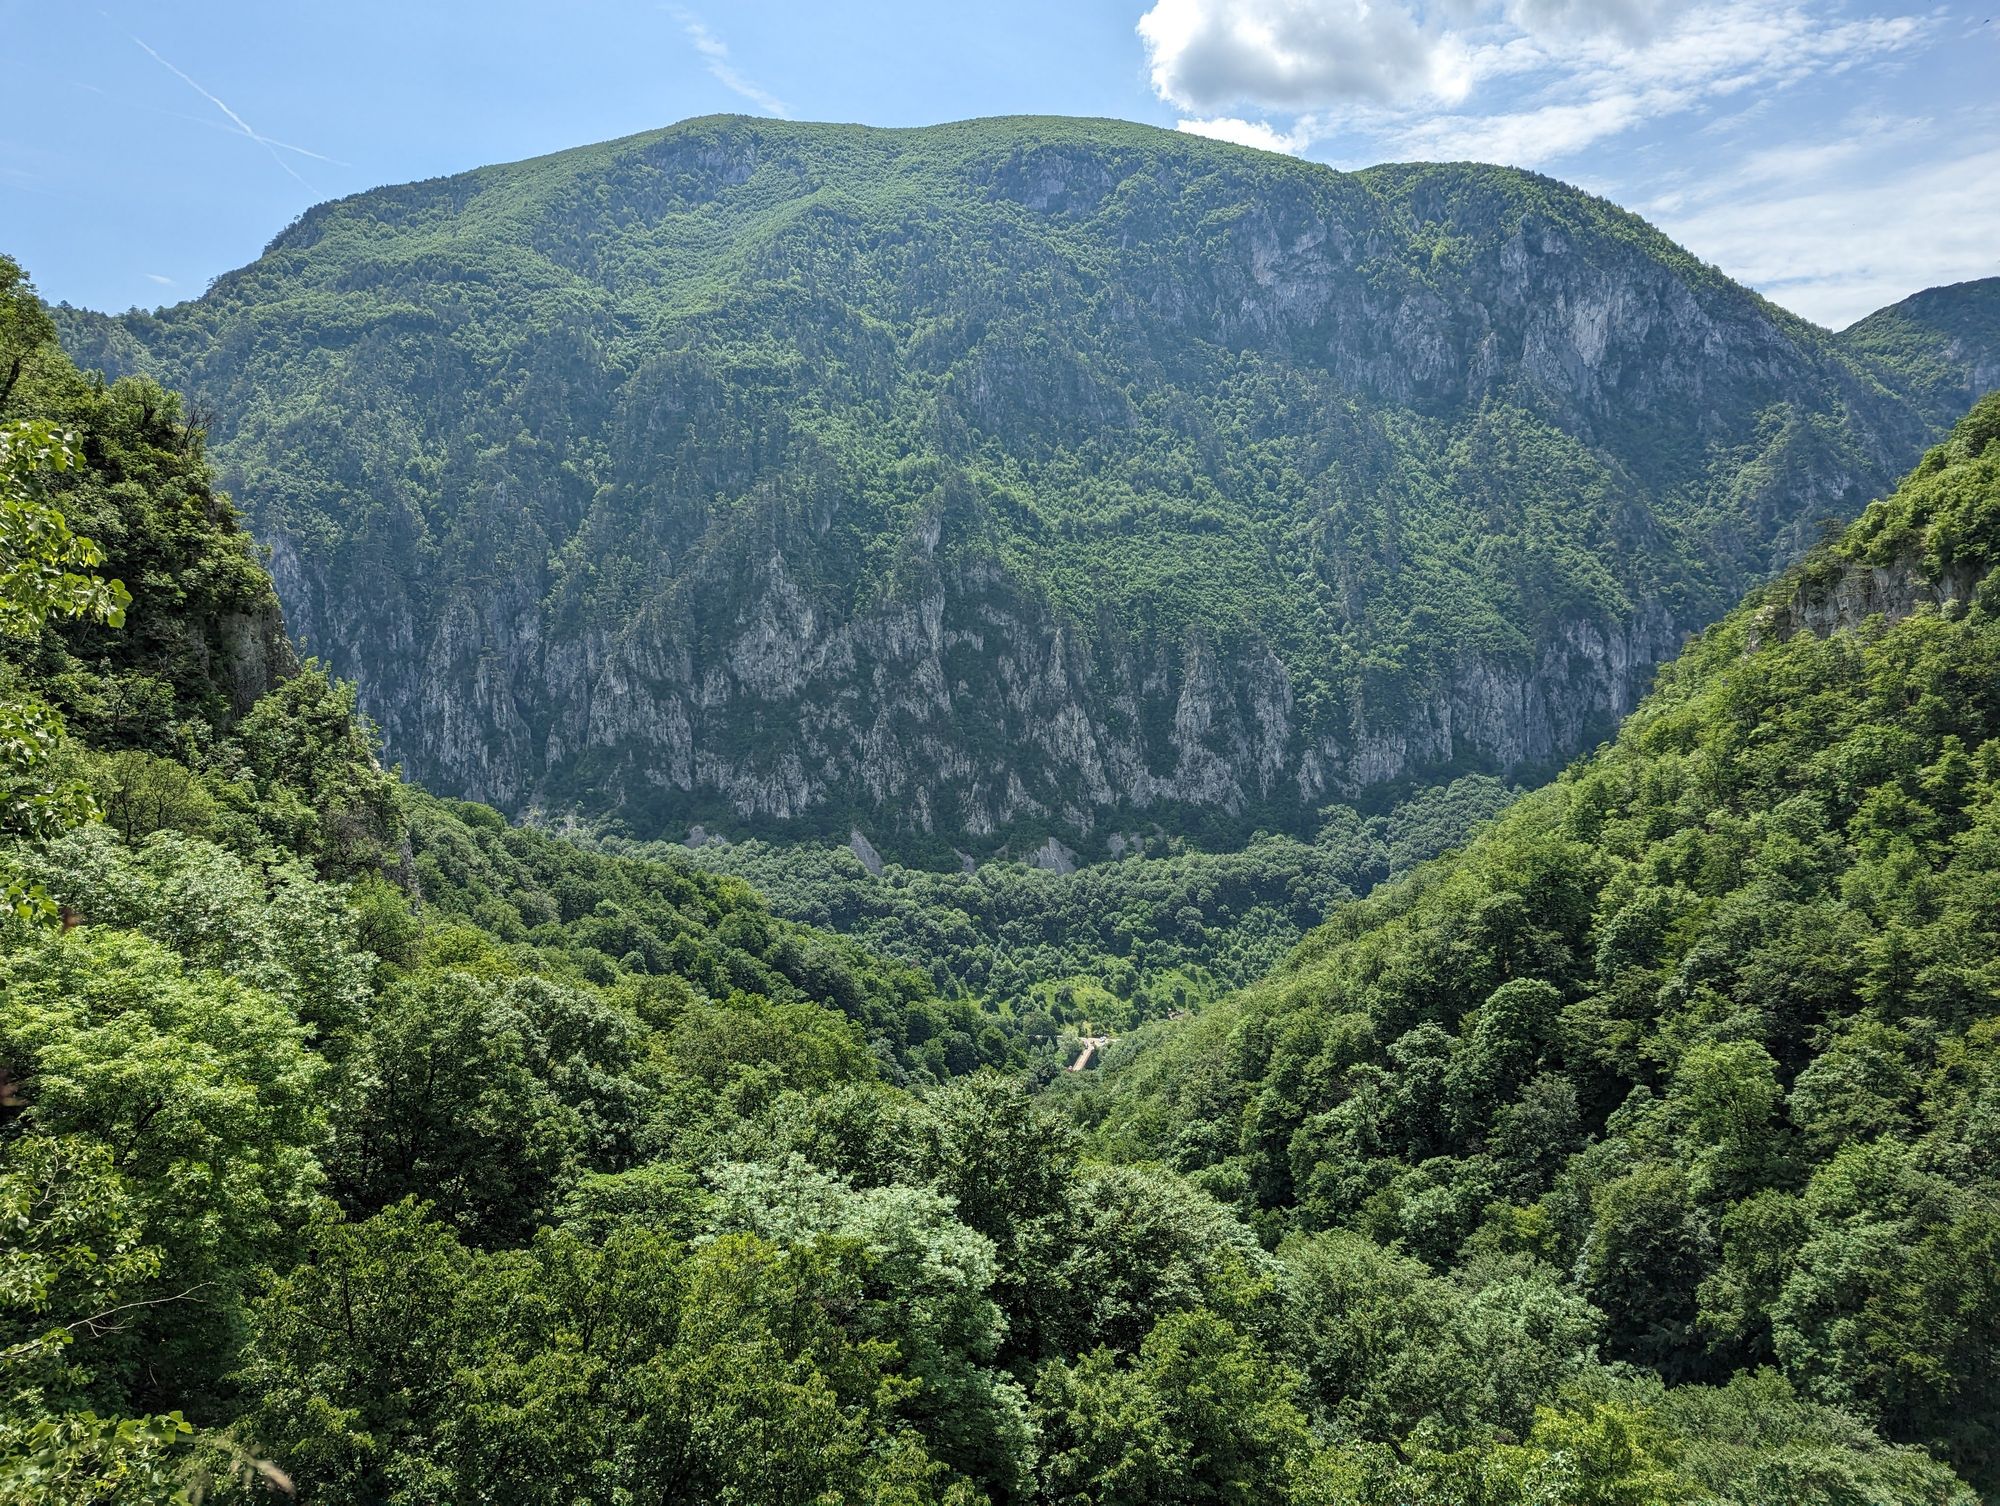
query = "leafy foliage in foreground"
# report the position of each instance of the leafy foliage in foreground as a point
(1711, 1026)
(285, 988)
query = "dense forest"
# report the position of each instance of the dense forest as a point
(1111, 944)
(1703, 1032)
(984, 482)
(360, 1146)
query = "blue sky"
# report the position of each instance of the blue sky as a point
(1836, 156)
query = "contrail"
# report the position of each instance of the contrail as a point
(242, 125)
(208, 123)
(715, 53)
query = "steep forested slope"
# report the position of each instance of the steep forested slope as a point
(251, 983)
(1941, 347)
(1711, 1025)
(1005, 477)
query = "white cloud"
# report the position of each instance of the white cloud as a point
(161, 278)
(1287, 54)
(1415, 75)
(1255, 133)
(1634, 20)
(1546, 134)
(715, 54)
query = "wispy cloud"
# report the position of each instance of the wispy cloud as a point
(715, 55)
(235, 124)
(1836, 236)
(161, 278)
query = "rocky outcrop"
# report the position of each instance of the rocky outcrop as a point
(1846, 598)
(864, 850)
(1053, 857)
(255, 653)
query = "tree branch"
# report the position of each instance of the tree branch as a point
(95, 1323)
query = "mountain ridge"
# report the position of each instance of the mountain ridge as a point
(980, 483)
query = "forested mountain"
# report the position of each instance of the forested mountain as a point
(1940, 347)
(988, 481)
(1708, 1026)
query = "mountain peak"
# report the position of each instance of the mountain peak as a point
(1003, 479)
(1942, 345)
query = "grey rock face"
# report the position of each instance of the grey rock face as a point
(1053, 857)
(1033, 724)
(1859, 592)
(863, 849)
